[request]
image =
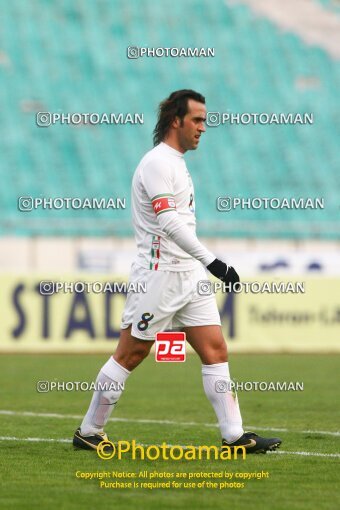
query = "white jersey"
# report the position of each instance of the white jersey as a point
(163, 212)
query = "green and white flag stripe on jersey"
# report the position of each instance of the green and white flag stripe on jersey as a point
(162, 195)
(155, 252)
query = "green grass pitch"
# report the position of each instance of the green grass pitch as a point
(41, 475)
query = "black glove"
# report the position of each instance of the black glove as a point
(225, 273)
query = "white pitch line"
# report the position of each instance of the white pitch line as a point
(307, 454)
(35, 439)
(49, 440)
(163, 422)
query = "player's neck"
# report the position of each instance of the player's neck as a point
(173, 144)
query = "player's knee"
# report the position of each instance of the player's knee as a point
(221, 354)
(215, 353)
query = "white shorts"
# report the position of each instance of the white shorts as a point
(171, 301)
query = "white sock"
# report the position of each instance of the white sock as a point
(216, 383)
(104, 401)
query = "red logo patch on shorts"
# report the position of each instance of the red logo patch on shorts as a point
(170, 346)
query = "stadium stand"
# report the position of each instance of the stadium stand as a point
(79, 47)
(331, 4)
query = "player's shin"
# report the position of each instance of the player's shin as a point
(218, 388)
(109, 387)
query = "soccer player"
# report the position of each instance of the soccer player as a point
(171, 260)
